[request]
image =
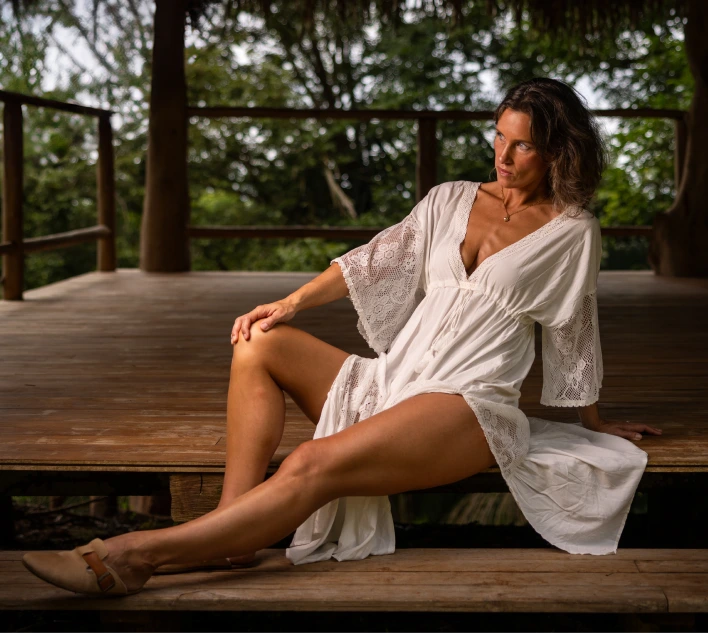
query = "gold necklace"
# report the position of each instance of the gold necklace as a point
(508, 216)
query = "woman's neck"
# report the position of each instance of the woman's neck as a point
(515, 198)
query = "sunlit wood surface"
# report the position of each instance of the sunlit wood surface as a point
(129, 371)
(414, 579)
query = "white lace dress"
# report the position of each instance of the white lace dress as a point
(435, 329)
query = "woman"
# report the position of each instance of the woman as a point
(448, 299)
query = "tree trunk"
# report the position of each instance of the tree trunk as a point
(164, 245)
(679, 243)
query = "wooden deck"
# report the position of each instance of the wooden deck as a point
(412, 580)
(128, 372)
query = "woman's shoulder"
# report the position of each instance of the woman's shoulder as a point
(583, 220)
(451, 188)
(449, 195)
(442, 204)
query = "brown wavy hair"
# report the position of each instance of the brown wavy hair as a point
(565, 134)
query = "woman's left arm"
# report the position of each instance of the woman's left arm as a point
(590, 418)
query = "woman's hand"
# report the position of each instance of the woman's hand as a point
(629, 430)
(279, 311)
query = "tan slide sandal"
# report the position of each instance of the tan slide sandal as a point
(80, 570)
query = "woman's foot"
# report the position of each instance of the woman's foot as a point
(125, 557)
(112, 568)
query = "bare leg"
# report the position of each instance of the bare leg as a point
(393, 451)
(283, 358)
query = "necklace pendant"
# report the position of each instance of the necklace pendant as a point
(506, 218)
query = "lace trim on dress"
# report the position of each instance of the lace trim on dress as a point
(384, 281)
(508, 439)
(459, 228)
(459, 231)
(364, 392)
(572, 358)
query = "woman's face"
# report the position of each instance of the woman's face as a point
(516, 160)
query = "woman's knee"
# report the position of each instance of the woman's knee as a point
(258, 345)
(307, 462)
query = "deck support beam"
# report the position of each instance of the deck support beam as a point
(164, 246)
(12, 201)
(427, 159)
(105, 173)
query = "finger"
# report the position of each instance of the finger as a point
(650, 429)
(253, 316)
(641, 428)
(258, 313)
(269, 322)
(627, 433)
(234, 331)
(245, 327)
(237, 328)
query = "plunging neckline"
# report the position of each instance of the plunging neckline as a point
(463, 224)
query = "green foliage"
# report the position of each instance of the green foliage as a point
(334, 172)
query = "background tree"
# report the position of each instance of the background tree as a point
(307, 172)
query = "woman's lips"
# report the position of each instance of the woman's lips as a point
(506, 173)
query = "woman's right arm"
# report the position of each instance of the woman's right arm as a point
(323, 289)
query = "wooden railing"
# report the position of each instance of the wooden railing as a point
(426, 162)
(14, 245)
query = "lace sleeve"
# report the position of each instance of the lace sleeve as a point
(572, 358)
(386, 279)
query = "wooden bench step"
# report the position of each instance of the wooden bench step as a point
(415, 580)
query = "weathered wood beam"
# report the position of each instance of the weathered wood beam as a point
(12, 201)
(42, 102)
(680, 142)
(345, 233)
(427, 158)
(283, 231)
(195, 494)
(164, 246)
(215, 112)
(105, 177)
(66, 239)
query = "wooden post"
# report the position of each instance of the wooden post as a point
(106, 258)
(164, 245)
(680, 141)
(427, 160)
(12, 222)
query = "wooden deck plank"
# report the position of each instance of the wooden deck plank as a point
(482, 559)
(472, 580)
(92, 361)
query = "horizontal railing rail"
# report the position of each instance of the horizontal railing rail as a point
(426, 162)
(344, 233)
(14, 245)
